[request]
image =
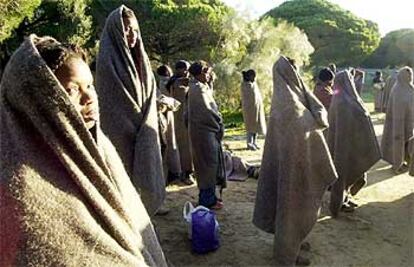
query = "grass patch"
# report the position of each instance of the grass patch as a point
(233, 119)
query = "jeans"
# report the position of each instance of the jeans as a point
(207, 197)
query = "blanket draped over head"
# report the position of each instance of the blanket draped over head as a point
(206, 132)
(389, 84)
(179, 90)
(65, 198)
(399, 120)
(351, 138)
(127, 96)
(296, 165)
(253, 110)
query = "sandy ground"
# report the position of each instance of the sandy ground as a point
(379, 233)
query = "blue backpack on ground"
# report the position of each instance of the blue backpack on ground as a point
(204, 228)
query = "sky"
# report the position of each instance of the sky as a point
(388, 14)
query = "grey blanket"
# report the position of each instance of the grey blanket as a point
(253, 110)
(296, 165)
(351, 138)
(206, 132)
(399, 120)
(127, 96)
(65, 197)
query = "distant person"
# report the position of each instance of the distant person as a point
(359, 77)
(65, 197)
(378, 85)
(166, 108)
(127, 92)
(164, 73)
(296, 166)
(352, 142)
(389, 84)
(399, 122)
(206, 133)
(178, 87)
(253, 110)
(238, 169)
(323, 88)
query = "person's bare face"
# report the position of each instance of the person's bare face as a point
(76, 77)
(131, 31)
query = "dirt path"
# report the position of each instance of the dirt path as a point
(379, 233)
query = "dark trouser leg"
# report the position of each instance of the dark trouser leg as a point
(207, 197)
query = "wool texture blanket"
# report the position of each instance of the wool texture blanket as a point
(206, 132)
(389, 84)
(399, 120)
(65, 197)
(127, 96)
(236, 167)
(351, 138)
(296, 166)
(179, 90)
(253, 110)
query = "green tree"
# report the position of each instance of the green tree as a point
(395, 49)
(12, 13)
(172, 30)
(255, 45)
(336, 34)
(67, 21)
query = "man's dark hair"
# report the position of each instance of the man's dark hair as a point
(163, 70)
(326, 74)
(197, 67)
(249, 75)
(56, 54)
(182, 64)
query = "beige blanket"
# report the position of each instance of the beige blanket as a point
(65, 198)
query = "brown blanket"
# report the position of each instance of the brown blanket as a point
(127, 94)
(399, 120)
(296, 165)
(171, 159)
(253, 110)
(65, 198)
(179, 90)
(206, 132)
(351, 138)
(389, 84)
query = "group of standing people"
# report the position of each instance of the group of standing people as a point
(324, 141)
(80, 181)
(83, 170)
